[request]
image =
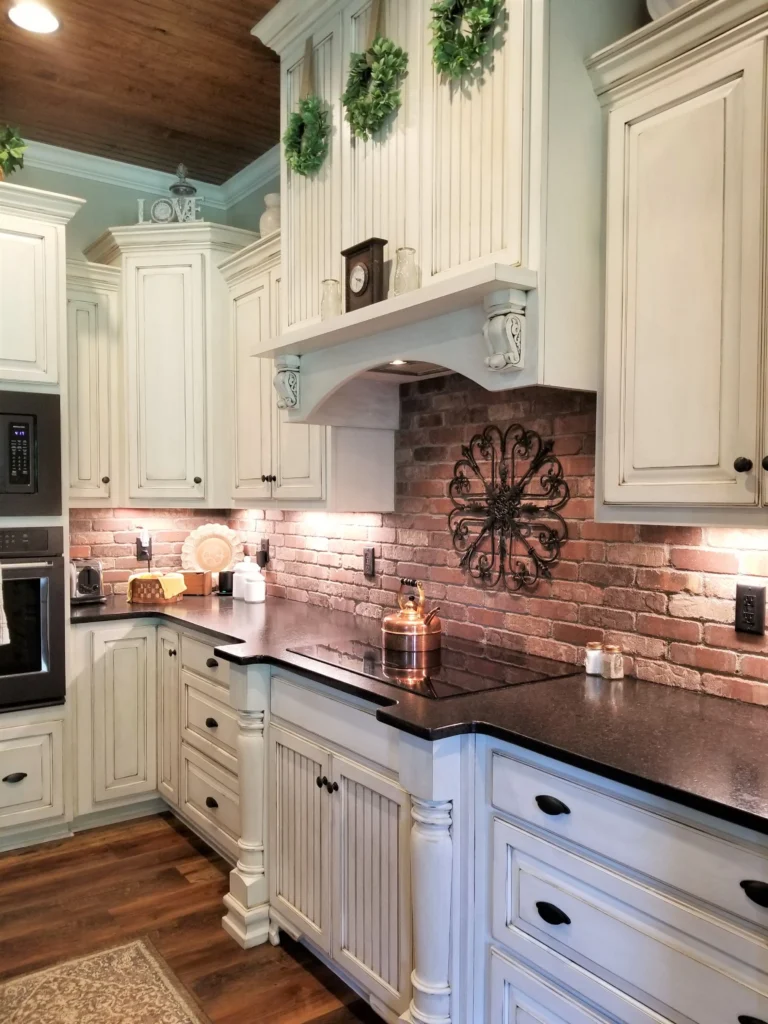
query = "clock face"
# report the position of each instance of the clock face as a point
(358, 278)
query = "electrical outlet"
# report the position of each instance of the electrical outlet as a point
(369, 562)
(750, 609)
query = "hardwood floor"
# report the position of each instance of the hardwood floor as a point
(154, 878)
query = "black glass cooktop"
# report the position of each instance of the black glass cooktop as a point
(459, 668)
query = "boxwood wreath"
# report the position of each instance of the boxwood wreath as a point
(306, 138)
(372, 91)
(461, 34)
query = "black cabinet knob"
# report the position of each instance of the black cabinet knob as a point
(212, 663)
(744, 1018)
(211, 723)
(332, 787)
(742, 464)
(105, 479)
(551, 914)
(172, 653)
(198, 479)
(210, 802)
(756, 891)
(15, 777)
(764, 463)
(552, 806)
(319, 782)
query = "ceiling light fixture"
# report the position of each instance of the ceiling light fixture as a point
(397, 362)
(33, 17)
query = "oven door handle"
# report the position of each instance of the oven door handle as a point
(26, 565)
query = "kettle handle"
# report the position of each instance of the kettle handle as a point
(406, 581)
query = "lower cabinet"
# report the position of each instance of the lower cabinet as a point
(339, 840)
(209, 799)
(31, 773)
(168, 752)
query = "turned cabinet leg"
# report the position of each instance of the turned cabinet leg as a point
(247, 902)
(431, 881)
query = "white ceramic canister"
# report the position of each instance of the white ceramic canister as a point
(255, 587)
(239, 574)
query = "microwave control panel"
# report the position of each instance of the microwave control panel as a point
(17, 461)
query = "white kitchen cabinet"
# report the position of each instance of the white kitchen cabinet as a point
(685, 313)
(31, 772)
(32, 282)
(168, 698)
(93, 379)
(124, 713)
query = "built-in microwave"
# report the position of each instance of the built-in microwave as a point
(30, 454)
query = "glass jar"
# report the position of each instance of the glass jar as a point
(613, 662)
(406, 271)
(330, 301)
(593, 659)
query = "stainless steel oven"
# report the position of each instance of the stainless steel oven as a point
(32, 671)
(30, 454)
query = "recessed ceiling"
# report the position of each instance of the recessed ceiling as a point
(150, 82)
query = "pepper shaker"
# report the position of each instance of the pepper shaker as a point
(613, 662)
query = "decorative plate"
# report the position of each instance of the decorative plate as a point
(658, 8)
(211, 548)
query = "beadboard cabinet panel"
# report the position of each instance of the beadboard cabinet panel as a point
(686, 173)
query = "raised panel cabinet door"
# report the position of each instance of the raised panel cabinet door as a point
(299, 831)
(684, 284)
(29, 301)
(253, 395)
(370, 879)
(165, 347)
(88, 350)
(124, 714)
(168, 704)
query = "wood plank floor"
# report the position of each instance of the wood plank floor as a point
(154, 878)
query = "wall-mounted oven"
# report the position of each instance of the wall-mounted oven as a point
(32, 670)
(30, 454)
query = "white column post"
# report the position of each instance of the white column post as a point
(247, 902)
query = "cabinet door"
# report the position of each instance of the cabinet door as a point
(371, 881)
(683, 317)
(253, 397)
(29, 301)
(168, 714)
(90, 335)
(299, 832)
(165, 346)
(124, 714)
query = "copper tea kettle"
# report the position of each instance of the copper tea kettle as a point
(410, 629)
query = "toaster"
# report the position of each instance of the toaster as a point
(86, 577)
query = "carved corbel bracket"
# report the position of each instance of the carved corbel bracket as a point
(504, 330)
(287, 381)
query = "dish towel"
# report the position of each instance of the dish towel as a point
(5, 636)
(172, 583)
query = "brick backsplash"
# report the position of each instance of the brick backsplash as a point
(665, 594)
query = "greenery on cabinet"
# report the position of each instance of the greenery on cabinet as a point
(462, 34)
(12, 148)
(307, 136)
(373, 92)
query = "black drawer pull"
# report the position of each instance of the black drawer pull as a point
(198, 479)
(552, 806)
(320, 782)
(757, 891)
(746, 1019)
(15, 777)
(551, 914)
(105, 479)
(211, 723)
(210, 802)
(212, 663)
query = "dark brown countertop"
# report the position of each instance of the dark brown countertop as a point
(705, 752)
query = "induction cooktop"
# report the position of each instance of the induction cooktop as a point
(460, 668)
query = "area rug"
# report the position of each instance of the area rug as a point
(129, 984)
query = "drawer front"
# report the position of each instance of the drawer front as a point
(31, 774)
(199, 658)
(645, 944)
(206, 722)
(210, 799)
(679, 855)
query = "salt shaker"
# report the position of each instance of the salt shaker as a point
(593, 659)
(613, 662)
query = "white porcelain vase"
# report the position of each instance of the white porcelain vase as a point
(658, 8)
(270, 219)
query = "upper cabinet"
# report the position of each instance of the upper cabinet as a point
(685, 304)
(32, 282)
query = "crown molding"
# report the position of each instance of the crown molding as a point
(288, 21)
(34, 202)
(116, 242)
(88, 275)
(260, 253)
(144, 179)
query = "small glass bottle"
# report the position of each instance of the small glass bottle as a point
(330, 301)
(406, 271)
(593, 659)
(613, 662)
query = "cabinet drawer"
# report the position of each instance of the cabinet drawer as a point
(679, 855)
(210, 799)
(31, 774)
(649, 946)
(207, 723)
(200, 658)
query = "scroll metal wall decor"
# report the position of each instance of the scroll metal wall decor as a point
(508, 491)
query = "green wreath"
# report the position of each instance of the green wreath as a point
(461, 34)
(306, 138)
(372, 87)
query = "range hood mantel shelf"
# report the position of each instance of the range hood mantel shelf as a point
(448, 295)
